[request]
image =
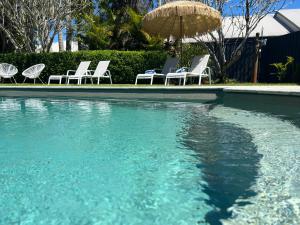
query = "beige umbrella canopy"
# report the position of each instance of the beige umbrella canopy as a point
(182, 19)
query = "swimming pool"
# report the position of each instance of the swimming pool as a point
(81, 161)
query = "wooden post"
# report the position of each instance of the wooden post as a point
(181, 36)
(256, 60)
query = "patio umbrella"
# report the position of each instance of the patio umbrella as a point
(181, 19)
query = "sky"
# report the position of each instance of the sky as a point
(294, 5)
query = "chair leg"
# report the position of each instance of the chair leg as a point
(166, 81)
(24, 80)
(40, 80)
(14, 80)
(200, 79)
(98, 82)
(92, 81)
(136, 81)
(209, 79)
(151, 83)
(110, 80)
(184, 81)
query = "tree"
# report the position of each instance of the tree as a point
(243, 16)
(5, 45)
(118, 25)
(35, 23)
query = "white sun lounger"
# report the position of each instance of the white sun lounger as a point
(198, 69)
(170, 64)
(81, 72)
(101, 72)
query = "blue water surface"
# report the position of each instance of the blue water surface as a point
(97, 162)
(108, 162)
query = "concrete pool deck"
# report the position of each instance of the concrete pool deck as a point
(272, 90)
(145, 92)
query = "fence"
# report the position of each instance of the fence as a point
(276, 50)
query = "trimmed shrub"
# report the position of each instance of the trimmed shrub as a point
(124, 66)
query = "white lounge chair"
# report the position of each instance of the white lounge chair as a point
(81, 71)
(170, 64)
(198, 69)
(101, 72)
(8, 71)
(34, 72)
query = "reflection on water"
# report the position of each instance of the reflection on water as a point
(9, 105)
(228, 159)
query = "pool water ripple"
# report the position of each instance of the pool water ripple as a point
(81, 161)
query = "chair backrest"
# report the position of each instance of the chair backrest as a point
(199, 64)
(8, 69)
(170, 63)
(101, 68)
(82, 68)
(34, 71)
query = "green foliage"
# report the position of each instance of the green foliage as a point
(97, 34)
(124, 66)
(118, 26)
(282, 68)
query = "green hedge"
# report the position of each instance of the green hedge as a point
(124, 66)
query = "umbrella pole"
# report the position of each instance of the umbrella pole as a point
(181, 35)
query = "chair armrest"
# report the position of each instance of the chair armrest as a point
(208, 70)
(108, 72)
(89, 72)
(68, 72)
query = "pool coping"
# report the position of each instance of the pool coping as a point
(265, 90)
(293, 90)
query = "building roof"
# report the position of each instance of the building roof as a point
(290, 18)
(281, 23)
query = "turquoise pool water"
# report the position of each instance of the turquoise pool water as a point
(67, 161)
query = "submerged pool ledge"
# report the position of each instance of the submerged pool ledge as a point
(116, 92)
(188, 93)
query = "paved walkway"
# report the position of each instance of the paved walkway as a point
(275, 90)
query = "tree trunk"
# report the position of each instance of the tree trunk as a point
(60, 40)
(69, 37)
